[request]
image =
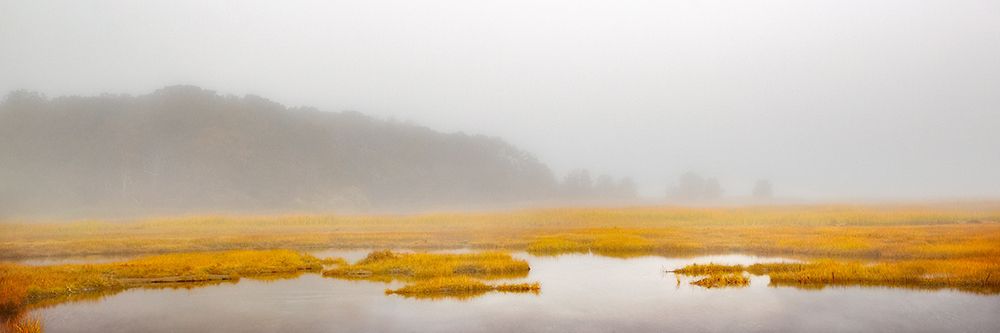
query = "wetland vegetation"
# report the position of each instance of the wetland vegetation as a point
(886, 246)
(976, 275)
(855, 231)
(22, 285)
(429, 274)
(439, 274)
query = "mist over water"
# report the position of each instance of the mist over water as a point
(497, 166)
(676, 101)
(581, 293)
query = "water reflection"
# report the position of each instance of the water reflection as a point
(20, 322)
(582, 293)
(439, 275)
(461, 296)
(981, 290)
(96, 297)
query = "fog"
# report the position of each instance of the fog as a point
(827, 100)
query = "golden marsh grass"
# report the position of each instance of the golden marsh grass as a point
(21, 323)
(460, 287)
(23, 285)
(386, 265)
(969, 275)
(900, 231)
(956, 245)
(439, 274)
(709, 269)
(723, 281)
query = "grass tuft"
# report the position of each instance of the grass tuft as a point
(696, 269)
(459, 286)
(930, 231)
(439, 274)
(386, 265)
(970, 275)
(21, 284)
(723, 281)
(22, 324)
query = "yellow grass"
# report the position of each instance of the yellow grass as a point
(709, 269)
(930, 231)
(533, 287)
(723, 280)
(556, 245)
(459, 286)
(23, 284)
(387, 265)
(21, 324)
(13, 293)
(970, 275)
(939, 244)
(439, 274)
(887, 242)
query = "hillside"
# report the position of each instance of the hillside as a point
(186, 149)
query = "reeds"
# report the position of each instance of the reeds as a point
(716, 276)
(21, 323)
(723, 281)
(460, 286)
(20, 284)
(532, 287)
(556, 245)
(951, 245)
(969, 275)
(388, 265)
(13, 293)
(709, 269)
(898, 232)
(439, 274)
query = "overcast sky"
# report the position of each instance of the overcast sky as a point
(836, 99)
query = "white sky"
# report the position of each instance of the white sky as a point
(828, 99)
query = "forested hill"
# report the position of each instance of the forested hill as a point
(186, 149)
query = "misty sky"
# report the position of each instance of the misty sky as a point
(836, 99)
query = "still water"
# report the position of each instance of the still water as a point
(580, 293)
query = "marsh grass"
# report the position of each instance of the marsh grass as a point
(13, 293)
(21, 285)
(333, 261)
(716, 276)
(872, 242)
(432, 275)
(555, 245)
(896, 232)
(21, 323)
(709, 269)
(954, 245)
(969, 275)
(386, 265)
(460, 287)
(723, 280)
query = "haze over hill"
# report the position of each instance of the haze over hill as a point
(829, 100)
(845, 100)
(185, 149)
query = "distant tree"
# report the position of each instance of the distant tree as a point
(604, 187)
(690, 186)
(23, 97)
(578, 184)
(187, 149)
(762, 189)
(712, 190)
(626, 189)
(693, 187)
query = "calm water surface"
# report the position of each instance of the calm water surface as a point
(580, 293)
